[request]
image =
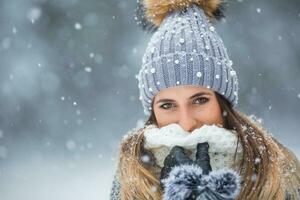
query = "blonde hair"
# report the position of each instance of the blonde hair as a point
(269, 169)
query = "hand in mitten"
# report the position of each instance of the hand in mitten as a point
(185, 179)
(177, 157)
(202, 157)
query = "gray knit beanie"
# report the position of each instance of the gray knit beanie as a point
(185, 50)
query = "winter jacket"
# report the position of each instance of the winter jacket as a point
(194, 176)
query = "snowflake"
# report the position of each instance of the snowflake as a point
(77, 26)
(258, 10)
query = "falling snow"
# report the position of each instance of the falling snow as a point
(34, 14)
(3, 152)
(258, 10)
(145, 158)
(88, 69)
(92, 55)
(6, 42)
(257, 160)
(77, 26)
(233, 73)
(153, 188)
(253, 177)
(199, 74)
(71, 145)
(14, 30)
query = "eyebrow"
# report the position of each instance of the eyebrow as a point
(191, 97)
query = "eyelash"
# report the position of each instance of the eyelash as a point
(162, 106)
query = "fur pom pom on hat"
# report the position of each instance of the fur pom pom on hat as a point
(156, 10)
(185, 49)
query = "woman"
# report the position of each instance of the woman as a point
(187, 78)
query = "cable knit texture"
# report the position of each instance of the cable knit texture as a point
(186, 50)
(115, 189)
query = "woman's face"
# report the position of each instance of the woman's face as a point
(189, 106)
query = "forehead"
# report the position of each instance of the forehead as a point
(181, 91)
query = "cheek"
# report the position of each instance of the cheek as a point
(210, 117)
(210, 114)
(164, 118)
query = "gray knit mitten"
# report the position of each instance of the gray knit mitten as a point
(185, 179)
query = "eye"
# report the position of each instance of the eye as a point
(166, 106)
(202, 100)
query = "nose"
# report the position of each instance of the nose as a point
(187, 121)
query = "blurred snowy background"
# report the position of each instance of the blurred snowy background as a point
(68, 91)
